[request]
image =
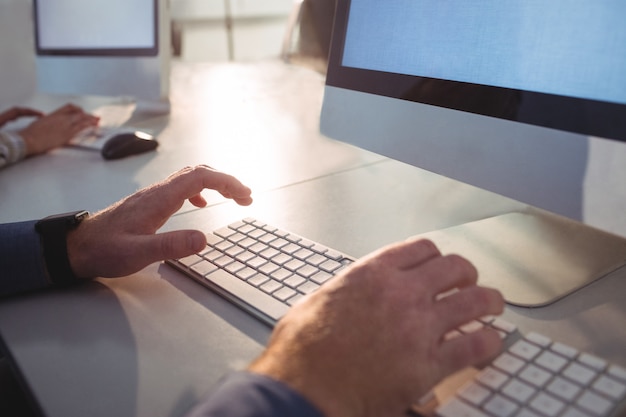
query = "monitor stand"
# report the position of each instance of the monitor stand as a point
(534, 258)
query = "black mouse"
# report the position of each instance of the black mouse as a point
(128, 143)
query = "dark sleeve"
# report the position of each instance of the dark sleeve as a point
(245, 394)
(22, 266)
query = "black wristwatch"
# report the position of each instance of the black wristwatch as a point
(53, 231)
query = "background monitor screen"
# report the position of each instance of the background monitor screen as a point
(96, 27)
(103, 47)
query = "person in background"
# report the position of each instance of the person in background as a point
(47, 132)
(370, 342)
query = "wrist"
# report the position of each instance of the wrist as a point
(317, 391)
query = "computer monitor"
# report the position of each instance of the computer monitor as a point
(526, 99)
(103, 47)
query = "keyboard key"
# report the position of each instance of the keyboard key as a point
(492, 378)
(508, 363)
(258, 279)
(592, 361)
(563, 388)
(270, 286)
(535, 375)
(294, 281)
(213, 239)
(610, 387)
(474, 393)
(547, 404)
(321, 277)
(222, 261)
(551, 361)
(617, 372)
(503, 325)
(518, 390)
(500, 406)
(307, 271)
(284, 293)
(246, 273)
(256, 262)
(204, 267)
(281, 274)
(303, 253)
(578, 373)
(308, 287)
(567, 351)
(574, 412)
(190, 260)
(525, 350)
(594, 403)
(457, 408)
(234, 267)
(538, 339)
(330, 265)
(268, 268)
(294, 299)
(294, 264)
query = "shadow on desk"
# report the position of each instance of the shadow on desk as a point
(88, 334)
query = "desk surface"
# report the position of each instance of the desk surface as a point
(151, 344)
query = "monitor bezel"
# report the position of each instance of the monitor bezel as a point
(401, 86)
(122, 52)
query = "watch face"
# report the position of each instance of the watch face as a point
(70, 219)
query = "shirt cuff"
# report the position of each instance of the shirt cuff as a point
(246, 394)
(12, 148)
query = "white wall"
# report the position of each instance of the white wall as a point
(17, 52)
(256, 31)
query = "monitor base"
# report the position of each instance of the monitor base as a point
(534, 258)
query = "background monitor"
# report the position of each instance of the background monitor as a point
(526, 99)
(103, 47)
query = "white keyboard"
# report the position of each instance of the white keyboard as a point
(264, 270)
(112, 119)
(537, 377)
(261, 268)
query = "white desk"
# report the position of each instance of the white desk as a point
(151, 344)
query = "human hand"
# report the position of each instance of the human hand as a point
(17, 112)
(121, 239)
(56, 129)
(371, 341)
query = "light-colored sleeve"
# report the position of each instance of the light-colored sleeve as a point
(12, 148)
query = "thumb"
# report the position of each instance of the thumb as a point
(177, 244)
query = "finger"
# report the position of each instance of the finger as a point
(171, 245)
(469, 349)
(468, 304)
(68, 108)
(26, 111)
(194, 180)
(444, 273)
(407, 255)
(198, 200)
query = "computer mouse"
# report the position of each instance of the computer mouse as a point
(128, 143)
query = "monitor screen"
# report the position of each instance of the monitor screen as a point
(96, 27)
(507, 96)
(103, 47)
(522, 98)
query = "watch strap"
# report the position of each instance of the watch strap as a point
(53, 231)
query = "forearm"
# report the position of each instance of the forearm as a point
(12, 148)
(21, 259)
(245, 394)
